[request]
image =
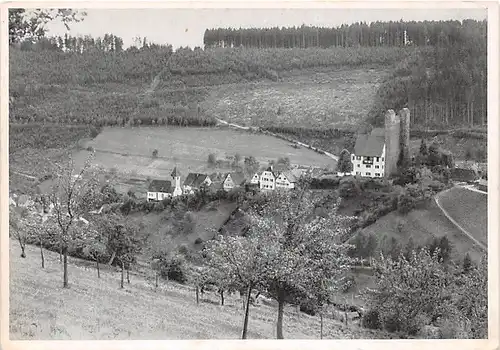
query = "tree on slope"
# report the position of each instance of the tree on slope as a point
(30, 24)
(301, 248)
(72, 197)
(240, 262)
(344, 164)
(411, 291)
(17, 226)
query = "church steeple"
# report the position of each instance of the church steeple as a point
(176, 175)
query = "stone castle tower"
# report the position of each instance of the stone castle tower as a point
(397, 140)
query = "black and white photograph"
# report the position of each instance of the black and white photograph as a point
(228, 172)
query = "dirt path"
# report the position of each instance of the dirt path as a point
(464, 231)
(329, 155)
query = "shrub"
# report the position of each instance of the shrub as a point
(405, 203)
(90, 149)
(371, 320)
(174, 268)
(349, 188)
(198, 241)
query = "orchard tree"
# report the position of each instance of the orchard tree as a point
(301, 247)
(72, 196)
(475, 309)
(410, 292)
(31, 24)
(251, 165)
(239, 262)
(18, 217)
(95, 245)
(124, 240)
(344, 164)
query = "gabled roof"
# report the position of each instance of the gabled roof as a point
(238, 178)
(175, 173)
(270, 169)
(369, 145)
(290, 176)
(195, 179)
(160, 186)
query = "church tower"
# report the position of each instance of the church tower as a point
(176, 175)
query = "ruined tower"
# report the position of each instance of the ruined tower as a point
(404, 116)
(397, 140)
(392, 141)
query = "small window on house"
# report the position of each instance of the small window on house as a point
(353, 157)
(358, 173)
(376, 166)
(368, 174)
(382, 158)
(377, 174)
(359, 165)
(368, 166)
(358, 157)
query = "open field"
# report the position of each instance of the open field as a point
(306, 98)
(129, 150)
(422, 225)
(469, 209)
(96, 309)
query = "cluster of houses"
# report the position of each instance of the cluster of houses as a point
(266, 180)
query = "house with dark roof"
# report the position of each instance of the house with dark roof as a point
(159, 190)
(368, 158)
(194, 181)
(286, 179)
(232, 180)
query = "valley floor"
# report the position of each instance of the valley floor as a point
(97, 309)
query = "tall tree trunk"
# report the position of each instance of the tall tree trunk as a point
(128, 276)
(122, 276)
(41, 254)
(281, 307)
(156, 279)
(23, 253)
(65, 267)
(197, 295)
(112, 258)
(321, 323)
(247, 310)
(221, 297)
(98, 270)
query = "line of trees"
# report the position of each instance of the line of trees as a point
(392, 33)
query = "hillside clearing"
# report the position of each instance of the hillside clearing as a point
(96, 309)
(305, 98)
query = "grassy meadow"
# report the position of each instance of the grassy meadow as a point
(97, 309)
(129, 150)
(469, 209)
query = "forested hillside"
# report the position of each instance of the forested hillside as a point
(439, 72)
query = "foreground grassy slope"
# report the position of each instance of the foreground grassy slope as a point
(422, 225)
(96, 309)
(469, 209)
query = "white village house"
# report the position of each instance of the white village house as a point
(270, 180)
(161, 189)
(195, 181)
(232, 180)
(368, 158)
